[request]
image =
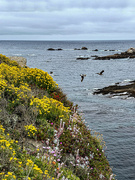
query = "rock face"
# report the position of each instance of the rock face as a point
(118, 89)
(20, 60)
(130, 53)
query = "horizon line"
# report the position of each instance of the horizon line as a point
(67, 40)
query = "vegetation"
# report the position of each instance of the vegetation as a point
(41, 134)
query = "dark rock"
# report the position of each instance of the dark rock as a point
(84, 48)
(51, 49)
(130, 53)
(82, 58)
(117, 89)
(94, 56)
(95, 50)
(132, 56)
(76, 49)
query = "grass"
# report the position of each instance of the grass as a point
(41, 134)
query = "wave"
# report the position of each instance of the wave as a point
(31, 54)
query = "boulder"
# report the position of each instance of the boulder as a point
(84, 48)
(51, 49)
(20, 60)
(130, 50)
(82, 58)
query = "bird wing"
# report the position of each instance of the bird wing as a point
(82, 77)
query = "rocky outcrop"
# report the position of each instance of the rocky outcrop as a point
(84, 48)
(130, 53)
(52, 49)
(20, 60)
(128, 89)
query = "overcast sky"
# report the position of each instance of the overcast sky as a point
(67, 19)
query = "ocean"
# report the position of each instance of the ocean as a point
(112, 116)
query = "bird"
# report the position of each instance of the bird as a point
(51, 73)
(101, 73)
(82, 76)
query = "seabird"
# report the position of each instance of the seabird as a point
(51, 73)
(82, 76)
(100, 72)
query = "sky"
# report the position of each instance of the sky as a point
(67, 19)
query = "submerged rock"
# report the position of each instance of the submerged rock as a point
(76, 49)
(59, 49)
(82, 58)
(95, 50)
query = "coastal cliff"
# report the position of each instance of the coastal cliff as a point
(42, 135)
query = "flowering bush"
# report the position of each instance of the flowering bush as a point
(6, 60)
(35, 76)
(25, 166)
(34, 112)
(31, 130)
(50, 108)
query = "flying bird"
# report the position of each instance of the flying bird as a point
(101, 73)
(82, 76)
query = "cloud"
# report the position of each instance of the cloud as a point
(69, 18)
(53, 5)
